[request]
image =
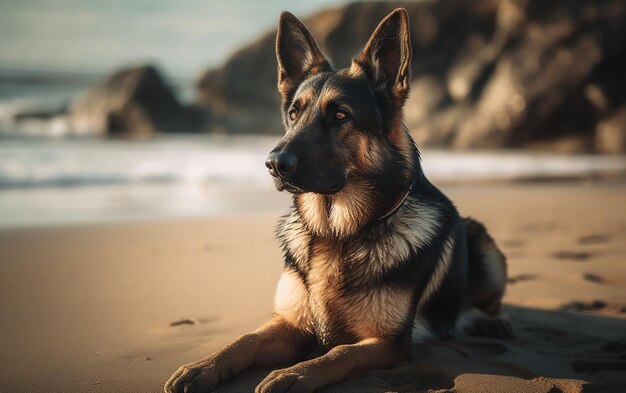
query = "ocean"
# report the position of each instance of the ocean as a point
(53, 181)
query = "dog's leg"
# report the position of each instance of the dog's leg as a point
(486, 285)
(338, 364)
(275, 343)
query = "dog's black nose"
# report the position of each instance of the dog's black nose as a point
(281, 164)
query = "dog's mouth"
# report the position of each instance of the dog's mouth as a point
(284, 185)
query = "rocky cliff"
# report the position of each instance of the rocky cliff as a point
(486, 73)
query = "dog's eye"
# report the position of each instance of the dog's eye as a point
(293, 114)
(339, 115)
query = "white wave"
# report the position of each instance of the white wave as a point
(511, 165)
(59, 181)
(82, 162)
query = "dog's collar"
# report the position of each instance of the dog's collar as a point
(400, 200)
(396, 205)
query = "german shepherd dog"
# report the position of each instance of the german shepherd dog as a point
(374, 255)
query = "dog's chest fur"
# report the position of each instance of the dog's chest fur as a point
(344, 290)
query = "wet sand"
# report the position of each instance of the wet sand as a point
(89, 308)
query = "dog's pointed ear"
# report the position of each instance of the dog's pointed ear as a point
(297, 54)
(386, 59)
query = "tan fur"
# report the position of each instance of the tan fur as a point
(345, 212)
(275, 343)
(367, 155)
(327, 95)
(362, 151)
(334, 366)
(378, 313)
(323, 283)
(291, 301)
(356, 69)
(372, 314)
(317, 67)
(339, 215)
(351, 208)
(314, 211)
(306, 94)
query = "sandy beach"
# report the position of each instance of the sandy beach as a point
(90, 308)
(137, 216)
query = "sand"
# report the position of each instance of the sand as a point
(88, 308)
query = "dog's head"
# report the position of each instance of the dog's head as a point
(344, 137)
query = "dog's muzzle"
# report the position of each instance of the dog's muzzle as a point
(292, 176)
(281, 164)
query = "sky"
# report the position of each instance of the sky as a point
(95, 36)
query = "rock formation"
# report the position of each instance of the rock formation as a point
(486, 73)
(132, 102)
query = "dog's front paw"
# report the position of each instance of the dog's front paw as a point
(286, 380)
(202, 376)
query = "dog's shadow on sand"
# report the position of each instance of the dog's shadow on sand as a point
(550, 351)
